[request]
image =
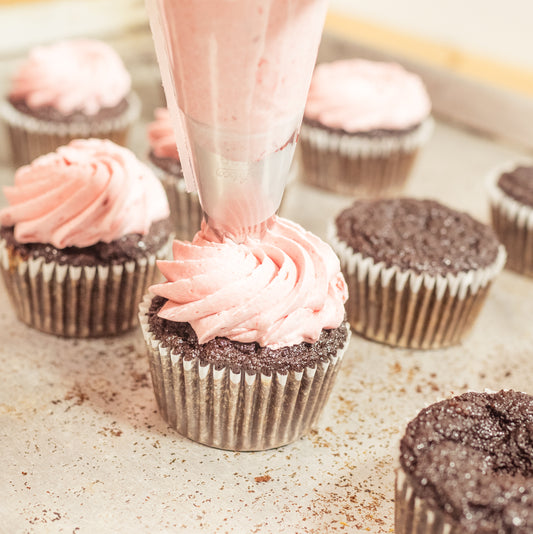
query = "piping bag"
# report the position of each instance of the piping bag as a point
(236, 75)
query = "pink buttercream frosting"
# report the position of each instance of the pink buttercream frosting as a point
(88, 191)
(357, 95)
(72, 76)
(277, 291)
(161, 135)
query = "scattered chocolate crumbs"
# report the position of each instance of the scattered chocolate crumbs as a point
(472, 457)
(250, 357)
(264, 478)
(421, 235)
(128, 247)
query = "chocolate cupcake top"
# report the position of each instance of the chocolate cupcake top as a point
(518, 184)
(421, 235)
(163, 149)
(472, 457)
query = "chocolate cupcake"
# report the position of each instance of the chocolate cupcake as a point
(363, 126)
(511, 199)
(185, 209)
(417, 272)
(65, 91)
(80, 239)
(245, 340)
(466, 466)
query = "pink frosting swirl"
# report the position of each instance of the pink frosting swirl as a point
(161, 135)
(277, 291)
(88, 191)
(356, 95)
(81, 75)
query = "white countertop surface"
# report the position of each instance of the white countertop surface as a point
(84, 449)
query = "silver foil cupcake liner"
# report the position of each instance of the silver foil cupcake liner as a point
(357, 164)
(512, 222)
(406, 309)
(413, 515)
(185, 209)
(236, 410)
(32, 137)
(75, 301)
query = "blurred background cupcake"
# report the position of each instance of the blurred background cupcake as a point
(511, 201)
(245, 340)
(417, 271)
(363, 126)
(80, 238)
(185, 209)
(64, 91)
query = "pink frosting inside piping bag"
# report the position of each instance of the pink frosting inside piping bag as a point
(277, 291)
(356, 95)
(81, 75)
(88, 191)
(236, 74)
(161, 135)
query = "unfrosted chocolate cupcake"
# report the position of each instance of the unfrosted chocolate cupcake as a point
(185, 209)
(64, 91)
(466, 466)
(511, 198)
(363, 126)
(80, 238)
(244, 340)
(417, 272)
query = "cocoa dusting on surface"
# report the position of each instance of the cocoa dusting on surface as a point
(376, 133)
(249, 357)
(49, 113)
(421, 235)
(472, 457)
(169, 165)
(518, 184)
(127, 248)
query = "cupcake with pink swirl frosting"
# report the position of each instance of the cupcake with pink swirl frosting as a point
(363, 126)
(245, 339)
(68, 90)
(80, 237)
(185, 209)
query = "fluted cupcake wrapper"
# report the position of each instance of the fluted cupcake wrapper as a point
(413, 515)
(185, 209)
(32, 137)
(357, 164)
(512, 222)
(236, 410)
(406, 309)
(75, 301)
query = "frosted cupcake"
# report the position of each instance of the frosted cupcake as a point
(80, 238)
(466, 466)
(417, 272)
(64, 91)
(185, 209)
(363, 126)
(511, 199)
(245, 340)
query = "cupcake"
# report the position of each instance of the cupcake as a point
(64, 91)
(466, 466)
(245, 340)
(363, 126)
(417, 272)
(511, 199)
(80, 238)
(185, 209)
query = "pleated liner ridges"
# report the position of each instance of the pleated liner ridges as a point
(513, 223)
(236, 411)
(413, 515)
(352, 164)
(31, 137)
(185, 209)
(77, 301)
(406, 309)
